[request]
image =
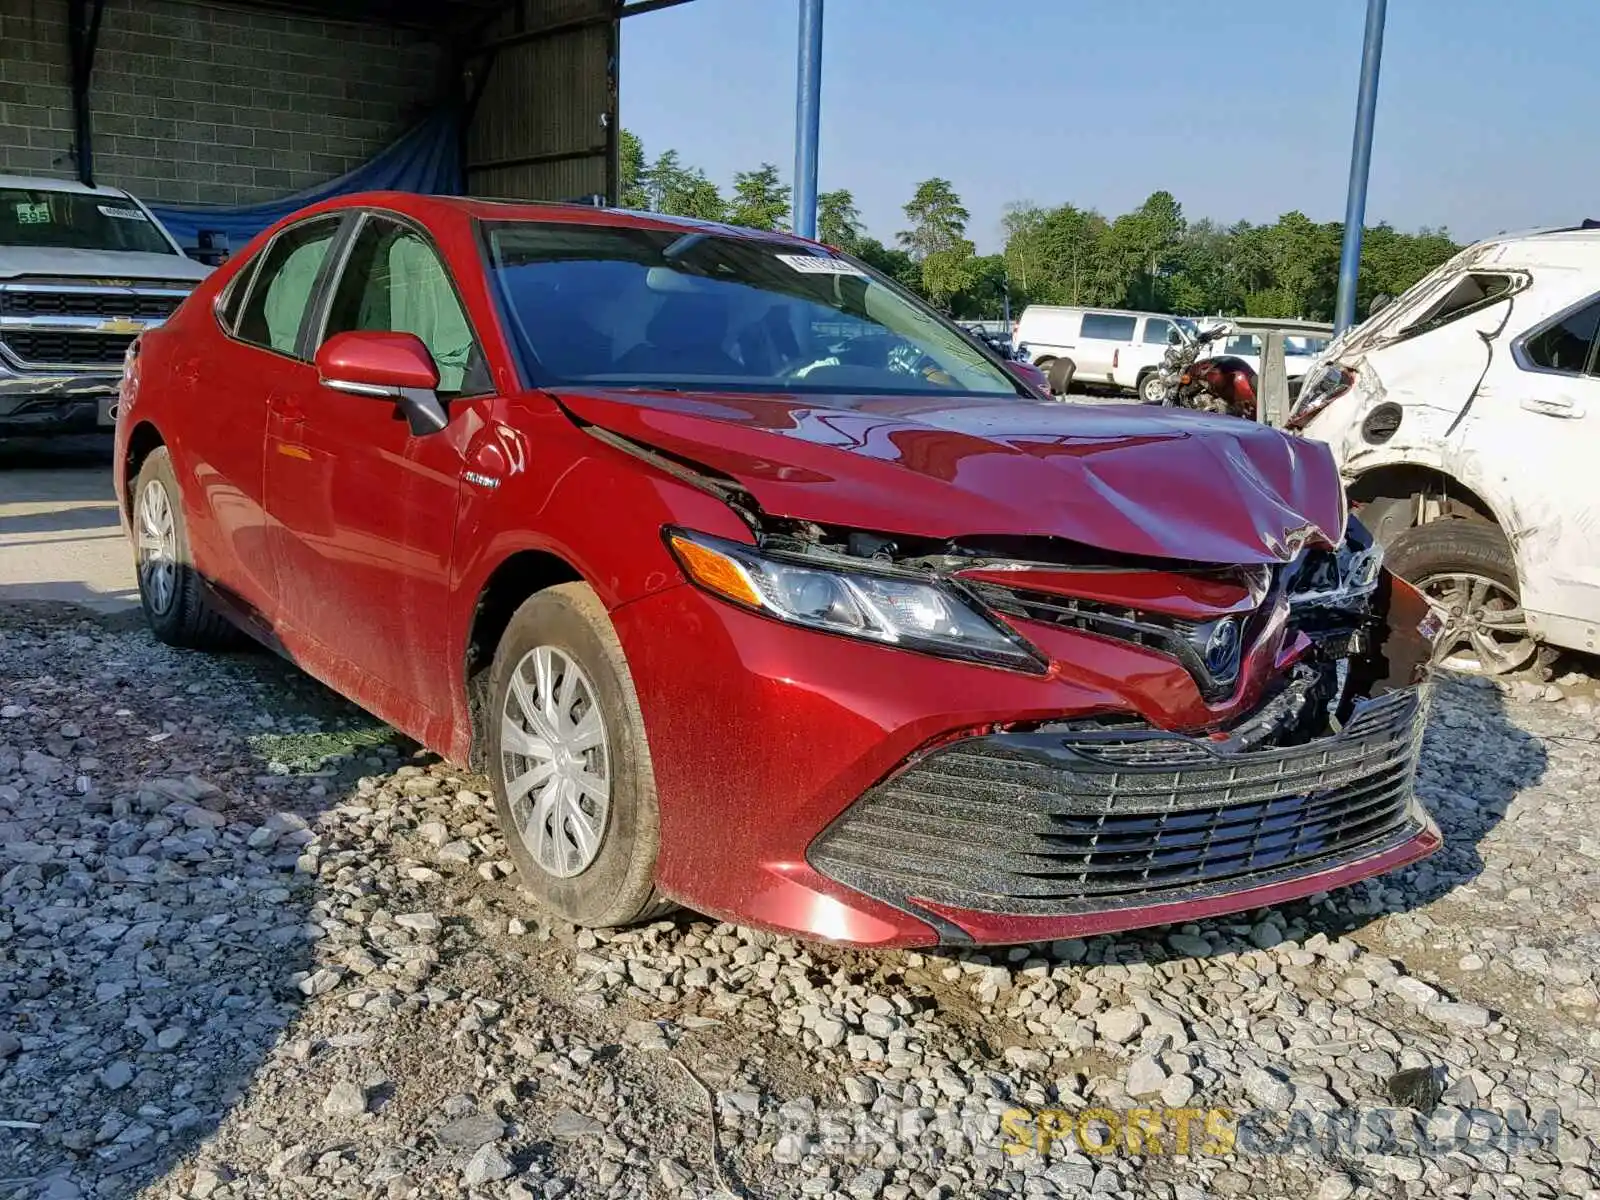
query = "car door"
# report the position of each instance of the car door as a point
(1101, 338)
(1532, 437)
(367, 507)
(226, 384)
(1148, 350)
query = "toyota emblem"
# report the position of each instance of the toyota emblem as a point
(1222, 649)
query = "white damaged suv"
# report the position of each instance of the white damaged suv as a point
(1465, 416)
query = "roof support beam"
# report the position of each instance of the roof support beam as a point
(83, 36)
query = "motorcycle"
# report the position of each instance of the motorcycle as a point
(1221, 383)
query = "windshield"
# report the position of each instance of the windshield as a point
(78, 221)
(626, 307)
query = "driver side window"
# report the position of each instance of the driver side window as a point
(395, 281)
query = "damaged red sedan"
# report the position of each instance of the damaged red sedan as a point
(755, 586)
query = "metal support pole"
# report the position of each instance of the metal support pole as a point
(1355, 208)
(807, 116)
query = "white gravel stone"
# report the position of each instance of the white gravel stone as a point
(1119, 1025)
(345, 1099)
(1451, 1012)
(487, 1165)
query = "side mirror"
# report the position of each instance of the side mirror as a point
(1174, 338)
(386, 366)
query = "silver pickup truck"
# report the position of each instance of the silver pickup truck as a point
(83, 271)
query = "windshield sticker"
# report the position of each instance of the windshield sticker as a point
(29, 213)
(122, 214)
(815, 264)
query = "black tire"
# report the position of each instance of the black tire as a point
(1150, 389)
(178, 610)
(1060, 375)
(1452, 545)
(618, 886)
(1459, 547)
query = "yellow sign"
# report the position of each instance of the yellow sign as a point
(121, 325)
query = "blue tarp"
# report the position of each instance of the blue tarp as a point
(427, 159)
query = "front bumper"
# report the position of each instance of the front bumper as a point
(56, 402)
(809, 784)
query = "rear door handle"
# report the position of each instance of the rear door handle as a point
(1554, 407)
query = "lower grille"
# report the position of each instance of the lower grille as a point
(48, 346)
(1049, 823)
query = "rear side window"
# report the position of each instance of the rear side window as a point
(233, 297)
(1567, 344)
(1474, 290)
(1243, 343)
(1108, 327)
(1156, 330)
(284, 283)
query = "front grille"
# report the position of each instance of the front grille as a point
(1065, 822)
(1185, 641)
(87, 304)
(48, 346)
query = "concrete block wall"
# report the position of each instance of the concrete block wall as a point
(205, 103)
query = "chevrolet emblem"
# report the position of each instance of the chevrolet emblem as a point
(121, 325)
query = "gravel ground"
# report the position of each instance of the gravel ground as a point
(252, 945)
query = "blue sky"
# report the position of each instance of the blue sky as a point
(1486, 110)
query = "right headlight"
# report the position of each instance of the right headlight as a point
(877, 606)
(1320, 388)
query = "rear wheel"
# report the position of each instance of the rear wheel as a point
(574, 789)
(170, 591)
(1060, 375)
(1468, 574)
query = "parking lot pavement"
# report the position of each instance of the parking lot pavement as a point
(60, 538)
(252, 945)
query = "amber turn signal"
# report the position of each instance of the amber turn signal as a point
(715, 571)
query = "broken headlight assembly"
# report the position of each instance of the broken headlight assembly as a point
(1318, 390)
(895, 609)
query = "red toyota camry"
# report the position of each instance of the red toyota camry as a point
(754, 585)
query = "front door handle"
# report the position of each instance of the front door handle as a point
(1558, 406)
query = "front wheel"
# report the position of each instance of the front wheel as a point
(1151, 389)
(573, 786)
(1467, 572)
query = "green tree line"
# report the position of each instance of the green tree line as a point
(1150, 258)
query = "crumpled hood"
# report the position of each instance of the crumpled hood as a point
(1159, 482)
(98, 264)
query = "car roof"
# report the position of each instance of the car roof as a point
(1095, 308)
(555, 213)
(1561, 247)
(37, 183)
